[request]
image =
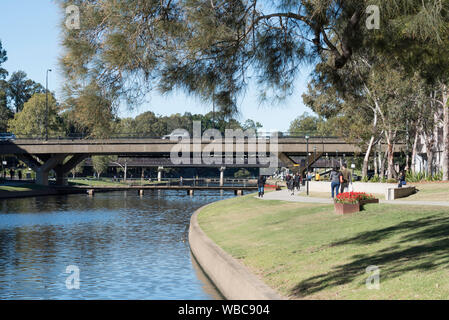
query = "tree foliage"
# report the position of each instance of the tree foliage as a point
(22, 89)
(3, 59)
(213, 49)
(31, 120)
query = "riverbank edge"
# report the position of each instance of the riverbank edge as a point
(233, 280)
(37, 193)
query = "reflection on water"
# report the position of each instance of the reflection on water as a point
(126, 246)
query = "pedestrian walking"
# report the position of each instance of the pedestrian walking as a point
(335, 177)
(297, 181)
(291, 185)
(20, 174)
(345, 179)
(261, 185)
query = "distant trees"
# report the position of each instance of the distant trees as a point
(3, 59)
(14, 92)
(242, 173)
(22, 89)
(31, 120)
(101, 164)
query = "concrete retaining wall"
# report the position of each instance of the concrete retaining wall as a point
(379, 188)
(36, 193)
(396, 193)
(234, 280)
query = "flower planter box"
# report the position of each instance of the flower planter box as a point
(346, 208)
(362, 202)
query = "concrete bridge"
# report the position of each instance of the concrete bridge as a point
(62, 155)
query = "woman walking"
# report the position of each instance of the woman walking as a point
(335, 181)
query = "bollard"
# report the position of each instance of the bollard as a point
(141, 192)
(91, 192)
(190, 192)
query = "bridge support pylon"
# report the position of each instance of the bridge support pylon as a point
(222, 170)
(159, 173)
(46, 163)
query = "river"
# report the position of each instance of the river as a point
(115, 245)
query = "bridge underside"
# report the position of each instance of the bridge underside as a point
(63, 156)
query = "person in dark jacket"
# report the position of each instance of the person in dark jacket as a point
(260, 185)
(297, 181)
(291, 185)
(335, 181)
(401, 179)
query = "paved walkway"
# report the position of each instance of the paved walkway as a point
(285, 195)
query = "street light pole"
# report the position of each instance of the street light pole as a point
(46, 105)
(337, 159)
(307, 172)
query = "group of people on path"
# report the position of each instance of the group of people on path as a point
(12, 174)
(340, 180)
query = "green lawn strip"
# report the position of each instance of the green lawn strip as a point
(21, 187)
(307, 251)
(430, 192)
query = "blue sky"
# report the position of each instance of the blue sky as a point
(29, 31)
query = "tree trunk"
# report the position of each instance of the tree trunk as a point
(370, 147)
(390, 161)
(429, 152)
(382, 164)
(414, 151)
(366, 159)
(445, 155)
(376, 167)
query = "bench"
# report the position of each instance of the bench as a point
(396, 193)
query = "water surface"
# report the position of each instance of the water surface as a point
(125, 246)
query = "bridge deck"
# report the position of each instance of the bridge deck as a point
(160, 187)
(159, 146)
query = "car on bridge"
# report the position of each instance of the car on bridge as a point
(177, 134)
(7, 136)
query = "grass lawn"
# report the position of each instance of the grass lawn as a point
(306, 251)
(20, 187)
(433, 191)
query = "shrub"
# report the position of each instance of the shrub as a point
(391, 181)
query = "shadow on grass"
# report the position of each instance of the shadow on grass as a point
(423, 245)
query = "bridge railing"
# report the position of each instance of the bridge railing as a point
(118, 136)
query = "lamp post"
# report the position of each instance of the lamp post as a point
(307, 172)
(327, 158)
(46, 105)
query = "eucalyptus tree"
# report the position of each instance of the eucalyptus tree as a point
(21, 89)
